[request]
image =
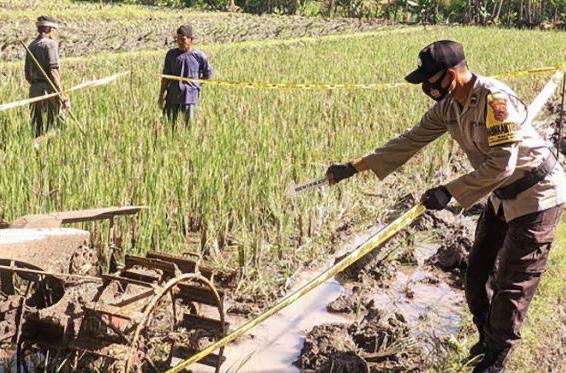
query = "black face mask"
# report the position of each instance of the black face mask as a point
(435, 90)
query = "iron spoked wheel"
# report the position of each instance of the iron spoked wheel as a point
(160, 338)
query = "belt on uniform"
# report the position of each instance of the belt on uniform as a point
(530, 179)
(35, 81)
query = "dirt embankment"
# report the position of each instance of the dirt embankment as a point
(83, 36)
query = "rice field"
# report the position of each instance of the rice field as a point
(218, 187)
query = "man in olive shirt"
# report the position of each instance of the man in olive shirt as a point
(512, 165)
(45, 49)
(181, 96)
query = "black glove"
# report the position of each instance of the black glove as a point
(341, 171)
(436, 198)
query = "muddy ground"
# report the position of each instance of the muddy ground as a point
(81, 37)
(391, 331)
(391, 311)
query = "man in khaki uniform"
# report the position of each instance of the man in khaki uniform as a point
(512, 164)
(46, 51)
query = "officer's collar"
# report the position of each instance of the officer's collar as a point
(473, 96)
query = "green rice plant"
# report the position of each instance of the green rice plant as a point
(217, 187)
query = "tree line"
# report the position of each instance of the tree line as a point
(545, 14)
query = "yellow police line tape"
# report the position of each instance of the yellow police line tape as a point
(266, 85)
(378, 239)
(315, 86)
(539, 70)
(90, 83)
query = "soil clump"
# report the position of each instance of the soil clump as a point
(453, 255)
(244, 306)
(344, 362)
(322, 342)
(343, 304)
(379, 342)
(370, 270)
(349, 301)
(474, 210)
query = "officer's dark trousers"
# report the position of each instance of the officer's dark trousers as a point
(505, 266)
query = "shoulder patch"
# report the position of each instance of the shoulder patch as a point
(502, 127)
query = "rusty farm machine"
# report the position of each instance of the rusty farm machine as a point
(58, 313)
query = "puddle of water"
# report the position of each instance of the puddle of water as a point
(432, 310)
(425, 251)
(277, 342)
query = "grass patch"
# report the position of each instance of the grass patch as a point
(543, 348)
(218, 186)
(544, 333)
(68, 9)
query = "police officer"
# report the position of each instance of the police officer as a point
(512, 165)
(46, 51)
(182, 97)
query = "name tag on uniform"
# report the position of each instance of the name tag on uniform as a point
(501, 128)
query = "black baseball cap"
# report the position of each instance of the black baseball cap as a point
(436, 57)
(185, 30)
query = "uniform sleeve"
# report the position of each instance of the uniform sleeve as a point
(503, 131)
(205, 68)
(53, 55)
(397, 152)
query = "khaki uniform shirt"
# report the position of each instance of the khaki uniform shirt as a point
(500, 144)
(46, 51)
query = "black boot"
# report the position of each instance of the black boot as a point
(493, 361)
(479, 347)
